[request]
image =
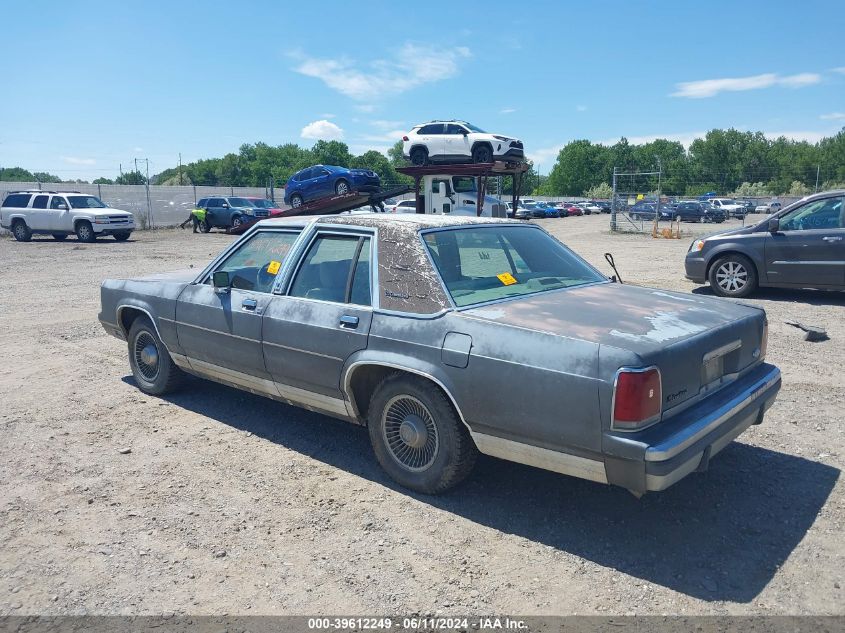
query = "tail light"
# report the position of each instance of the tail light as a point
(405, 138)
(637, 399)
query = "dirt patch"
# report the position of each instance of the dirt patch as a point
(230, 503)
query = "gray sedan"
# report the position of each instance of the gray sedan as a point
(449, 337)
(802, 246)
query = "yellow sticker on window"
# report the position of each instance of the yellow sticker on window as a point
(273, 267)
(507, 279)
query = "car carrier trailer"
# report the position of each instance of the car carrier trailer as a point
(425, 175)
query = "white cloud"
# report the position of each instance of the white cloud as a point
(833, 116)
(545, 155)
(839, 69)
(712, 87)
(581, 108)
(327, 116)
(365, 107)
(75, 160)
(137, 149)
(381, 124)
(507, 110)
(413, 66)
(322, 130)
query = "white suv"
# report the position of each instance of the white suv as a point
(458, 142)
(60, 213)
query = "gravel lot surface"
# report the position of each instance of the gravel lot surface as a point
(215, 501)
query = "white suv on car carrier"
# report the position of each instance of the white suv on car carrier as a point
(60, 213)
(458, 142)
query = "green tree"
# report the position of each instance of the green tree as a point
(130, 178)
(43, 176)
(601, 191)
(331, 153)
(580, 165)
(396, 156)
(103, 181)
(16, 174)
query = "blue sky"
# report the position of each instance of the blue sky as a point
(89, 85)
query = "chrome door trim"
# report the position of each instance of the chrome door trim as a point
(303, 351)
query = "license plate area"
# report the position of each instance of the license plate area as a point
(713, 366)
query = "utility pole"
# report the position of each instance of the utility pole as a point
(657, 206)
(818, 167)
(180, 168)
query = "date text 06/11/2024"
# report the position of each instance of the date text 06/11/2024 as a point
(416, 624)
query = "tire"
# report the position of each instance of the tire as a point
(678, 218)
(401, 410)
(341, 187)
(296, 200)
(419, 156)
(60, 237)
(204, 226)
(635, 217)
(122, 236)
(153, 369)
(84, 232)
(482, 154)
(733, 276)
(237, 221)
(21, 231)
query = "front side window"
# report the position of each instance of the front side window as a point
(255, 264)
(86, 202)
(481, 264)
(451, 128)
(475, 129)
(58, 203)
(819, 214)
(40, 202)
(336, 268)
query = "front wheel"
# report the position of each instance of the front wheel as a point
(85, 232)
(237, 221)
(482, 154)
(122, 236)
(151, 365)
(417, 436)
(21, 231)
(60, 237)
(341, 188)
(733, 276)
(296, 200)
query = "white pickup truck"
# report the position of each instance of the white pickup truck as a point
(61, 213)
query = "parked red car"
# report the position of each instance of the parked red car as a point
(571, 209)
(274, 208)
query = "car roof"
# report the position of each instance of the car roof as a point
(412, 222)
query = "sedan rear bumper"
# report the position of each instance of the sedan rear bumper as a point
(665, 453)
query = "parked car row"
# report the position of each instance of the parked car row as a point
(684, 211)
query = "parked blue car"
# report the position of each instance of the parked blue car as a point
(550, 210)
(322, 181)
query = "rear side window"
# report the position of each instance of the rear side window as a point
(336, 268)
(434, 128)
(17, 200)
(40, 202)
(202, 202)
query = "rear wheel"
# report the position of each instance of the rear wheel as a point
(417, 436)
(296, 200)
(151, 365)
(733, 276)
(341, 187)
(419, 156)
(21, 231)
(60, 237)
(85, 232)
(482, 154)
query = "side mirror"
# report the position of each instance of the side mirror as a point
(465, 133)
(62, 206)
(774, 225)
(225, 205)
(220, 281)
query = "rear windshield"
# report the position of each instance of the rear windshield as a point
(86, 202)
(480, 264)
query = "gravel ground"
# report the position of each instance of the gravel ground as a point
(215, 501)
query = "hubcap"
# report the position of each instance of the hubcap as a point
(342, 188)
(146, 356)
(410, 433)
(732, 276)
(296, 202)
(236, 222)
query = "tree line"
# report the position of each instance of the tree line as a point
(724, 161)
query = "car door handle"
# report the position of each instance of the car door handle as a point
(832, 238)
(249, 304)
(349, 322)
